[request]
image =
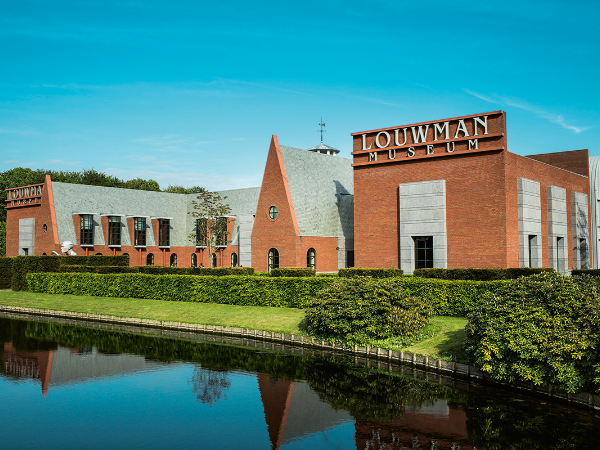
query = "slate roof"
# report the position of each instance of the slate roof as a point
(322, 190)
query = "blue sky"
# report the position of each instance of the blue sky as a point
(190, 92)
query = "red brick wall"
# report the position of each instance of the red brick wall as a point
(475, 209)
(577, 161)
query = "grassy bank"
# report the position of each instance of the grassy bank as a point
(442, 338)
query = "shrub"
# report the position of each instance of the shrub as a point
(479, 274)
(95, 260)
(542, 329)
(205, 271)
(591, 272)
(22, 265)
(284, 292)
(293, 272)
(6, 270)
(360, 309)
(352, 272)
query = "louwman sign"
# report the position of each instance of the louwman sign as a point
(467, 134)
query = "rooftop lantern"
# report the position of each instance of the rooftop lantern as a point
(322, 148)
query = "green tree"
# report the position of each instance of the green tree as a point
(177, 189)
(212, 230)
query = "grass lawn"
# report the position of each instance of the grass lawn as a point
(281, 320)
(442, 338)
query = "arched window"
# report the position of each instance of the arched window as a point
(150, 259)
(273, 259)
(194, 260)
(213, 260)
(311, 259)
(173, 260)
(234, 261)
(98, 254)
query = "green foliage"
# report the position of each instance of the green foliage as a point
(542, 329)
(591, 272)
(449, 298)
(326, 274)
(2, 239)
(22, 265)
(6, 270)
(95, 260)
(292, 272)
(286, 292)
(203, 271)
(98, 269)
(373, 273)
(363, 308)
(177, 189)
(479, 274)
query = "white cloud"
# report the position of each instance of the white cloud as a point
(522, 104)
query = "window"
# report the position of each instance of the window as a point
(273, 259)
(25, 251)
(234, 260)
(114, 230)
(423, 252)
(201, 232)
(583, 254)
(164, 232)
(173, 260)
(150, 259)
(560, 266)
(532, 249)
(86, 235)
(45, 228)
(139, 233)
(311, 259)
(273, 212)
(213, 260)
(221, 231)
(194, 261)
(350, 258)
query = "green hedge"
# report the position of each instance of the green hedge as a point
(204, 271)
(591, 272)
(479, 274)
(98, 269)
(235, 290)
(449, 298)
(95, 260)
(375, 273)
(292, 272)
(6, 270)
(22, 265)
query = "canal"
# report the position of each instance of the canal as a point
(97, 386)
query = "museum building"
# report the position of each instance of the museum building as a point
(444, 193)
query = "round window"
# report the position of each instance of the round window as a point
(273, 212)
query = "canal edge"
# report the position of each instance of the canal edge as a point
(442, 367)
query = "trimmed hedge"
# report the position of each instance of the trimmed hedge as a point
(591, 272)
(94, 260)
(6, 270)
(479, 274)
(204, 271)
(448, 298)
(375, 273)
(98, 269)
(290, 292)
(22, 265)
(292, 272)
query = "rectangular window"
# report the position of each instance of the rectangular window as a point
(423, 252)
(114, 230)
(559, 255)
(164, 233)
(221, 231)
(532, 250)
(350, 258)
(201, 231)
(86, 234)
(584, 257)
(139, 232)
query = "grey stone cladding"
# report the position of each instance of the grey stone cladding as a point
(26, 236)
(530, 223)
(581, 239)
(557, 229)
(422, 210)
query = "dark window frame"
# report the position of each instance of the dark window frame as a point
(311, 258)
(114, 231)
(423, 252)
(150, 259)
(273, 259)
(273, 212)
(201, 232)
(86, 230)
(164, 233)
(139, 231)
(173, 260)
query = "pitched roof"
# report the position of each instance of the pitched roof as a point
(322, 189)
